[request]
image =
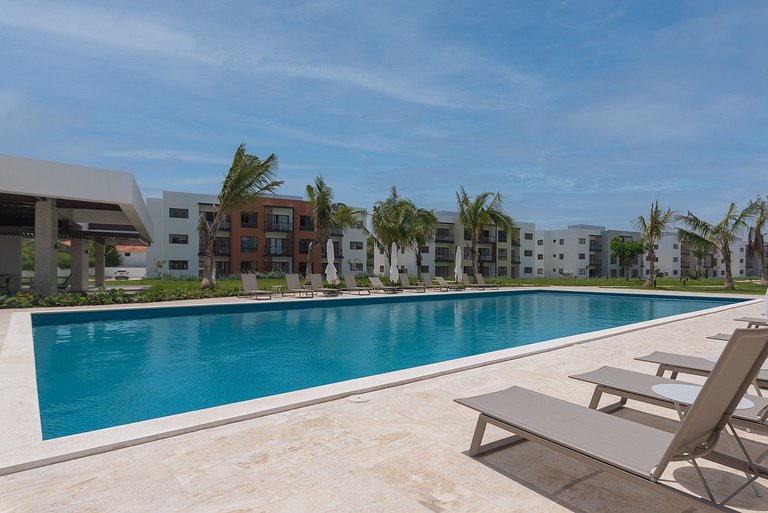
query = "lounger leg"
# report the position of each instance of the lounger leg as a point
(476, 448)
(598, 394)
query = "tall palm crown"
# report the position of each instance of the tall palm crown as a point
(479, 213)
(702, 235)
(420, 226)
(651, 230)
(248, 178)
(387, 222)
(756, 241)
(326, 214)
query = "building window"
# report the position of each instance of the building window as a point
(502, 236)
(527, 270)
(539, 271)
(528, 236)
(539, 257)
(381, 268)
(468, 270)
(582, 240)
(249, 244)
(655, 246)
(381, 251)
(178, 265)
(126, 254)
(562, 241)
(560, 271)
(539, 242)
(501, 272)
(181, 213)
(674, 246)
(674, 272)
(466, 253)
(424, 250)
(178, 238)
(502, 254)
(304, 246)
(582, 256)
(425, 268)
(248, 220)
(528, 252)
(306, 224)
(582, 271)
(248, 266)
(355, 266)
(356, 245)
(561, 256)
(674, 259)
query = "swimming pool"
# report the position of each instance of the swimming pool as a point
(97, 369)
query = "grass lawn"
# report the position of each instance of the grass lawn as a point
(702, 285)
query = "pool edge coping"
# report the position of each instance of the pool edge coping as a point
(19, 346)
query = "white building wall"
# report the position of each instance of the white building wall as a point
(527, 250)
(354, 259)
(738, 260)
(668, 257)
(564, 252)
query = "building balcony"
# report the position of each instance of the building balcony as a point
(444, 238)
(225, 226)
(337, 255)
(595, 247)
(335, 232)
(513, 242)
(443, 258)
(487, 239)
(516, 261)
(485, 258)
(277, 251)
(271, 226)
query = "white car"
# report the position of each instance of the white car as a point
(121, 274)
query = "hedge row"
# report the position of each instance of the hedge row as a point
(110, 297)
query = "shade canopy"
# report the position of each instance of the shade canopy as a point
(330, 270)
(393, 275)
(458, 271)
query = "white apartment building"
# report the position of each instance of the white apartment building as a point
(274, 234)
(500, 254)
(581, 251)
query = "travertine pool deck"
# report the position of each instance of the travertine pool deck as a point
(401, 449)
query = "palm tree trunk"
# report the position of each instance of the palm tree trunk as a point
(651, 268)
(763, 270)
(473, 252)
(209, 281)
(728, 273)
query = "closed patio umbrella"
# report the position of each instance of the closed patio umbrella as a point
(765, 304)
(330, 270)
(393, 264)
(457, 269)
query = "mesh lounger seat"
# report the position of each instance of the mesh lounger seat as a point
(481, 283)
(294, 287)
(427, 280)
(351, 285)
(444, 285)
(316, 283)
(405, 284)
(251, 288)
(754, 322)
(381, 288)
(627, 384)
(694, 365)
(627, 449)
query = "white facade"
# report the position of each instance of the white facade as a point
(669, 254)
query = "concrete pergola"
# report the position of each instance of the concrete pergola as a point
(49, 201)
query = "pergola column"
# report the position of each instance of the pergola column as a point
(99, 265)
(46, 233)
(79, 266)
(10, 263)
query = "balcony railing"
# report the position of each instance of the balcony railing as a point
(337, 254)
(335, 232)
(443, 257)
(516, 260)
(595, 247)
(448, 237)
(515, 242)
(273, 226)
(685, 252)
(271, 250)
(225, 226)
(487, 239)
(484, 257)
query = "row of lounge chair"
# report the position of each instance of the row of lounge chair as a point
(635, 451)
(315, 286)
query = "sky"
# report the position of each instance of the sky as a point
(577, 112)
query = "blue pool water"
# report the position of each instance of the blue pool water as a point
(102, 369)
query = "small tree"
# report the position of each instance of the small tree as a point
(479, 213)
(626, 251)
(248, 178)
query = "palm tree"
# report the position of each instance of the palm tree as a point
(702, 235)
(420, 228)
(327, 215)
(650, 232)
(387, 222)
(249, 177)
(756, 242)
(480, 213)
